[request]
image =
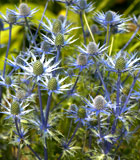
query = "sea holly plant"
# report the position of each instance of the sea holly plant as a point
(69, 95)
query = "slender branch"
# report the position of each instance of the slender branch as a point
(48, 108)
(41, 20)
(18, 152)
(26, 21)
(118, 93)
(134, 34)
(89, 27)
(84, 35)
(8, 47)
(41, 108)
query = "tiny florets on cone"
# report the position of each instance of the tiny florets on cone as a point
(24, 10)
(99, 102)
(73, 107)
(120, 63)
(15, 108)
(109, 16)
(8, 80)
(52, 84)
(38, 68)
(92, 48)
(82, 4)
(57, 26)
(11, 18)
(82, 59)
(20, 94)
(94, 28)
(59, 40)
(81, 113)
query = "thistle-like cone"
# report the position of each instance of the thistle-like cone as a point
(15, 108)
(59, 40)
(45, 46)
(109, 16)
(73, 107)
(94, 29)
(52, 84)
(120, 63)
(57, 26)
(99, 102)
(138, 21)
(11, 18)
(82, 4)
(24, 10)
(81, 113)
(82, 59)
(20, 94)
(61, 18)
(92, 48)
(1, 25)
(70, 72)
(8, 80)
(38, 68)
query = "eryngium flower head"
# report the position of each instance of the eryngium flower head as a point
(92, 48)
(99, 102)
(109, 16)
(95, 29)
(52, 84)
(1, 25)
(57, 26)
(81, 113)
(20, 94)
(24, 10)
(82, 4)
(59, 39)
(61, 18)
(11, 18)
(82, 60)
(15, 108)
(120, 63)
(38, 68)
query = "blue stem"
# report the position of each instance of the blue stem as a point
(82, 24)
(9, 42)
(118, 93)
(41, 20)
(48, 108)
(41, 108)
(26, 21)
(134, 34)
(131, 89)
(101, 78)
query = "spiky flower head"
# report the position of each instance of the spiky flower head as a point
(45, 46)
(120, 63)
(38, 68)
(11, 18)
(138, 21)
(61, 18)
(70, 72)
(1, 25)
(57, 26)
(52, 84)
(24, 10)
(59, 39)
(94, 28)
(15, 108)
(92, 48)
(8, 80)
(99, 102)
(82, 59)
(20, 94)
(109, 16)
(81, 113)
(82, 4)
(73, 107)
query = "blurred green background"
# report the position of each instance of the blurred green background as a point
(126, 7)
